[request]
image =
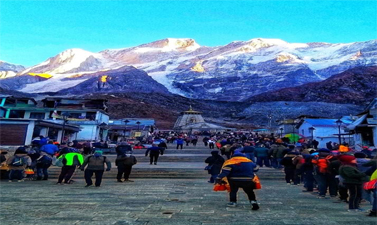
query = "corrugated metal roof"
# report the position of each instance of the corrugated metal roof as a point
(353, 125)
(326, 122)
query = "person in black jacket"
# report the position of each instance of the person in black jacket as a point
(154, 153)
(123, 148)
(124, 164)
(289, 167)
(215, 162)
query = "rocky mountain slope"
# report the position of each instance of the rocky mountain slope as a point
(357, 86)
(9, 70)
(233, 72)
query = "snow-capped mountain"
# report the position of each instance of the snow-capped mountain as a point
(232, 72)
(9, 70)
(70, 61)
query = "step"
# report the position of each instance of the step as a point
(163, 171)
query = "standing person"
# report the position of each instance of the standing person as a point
(95, 164)
(215, 163)
(87, 148)
(289, 167)
(322, 173)
(342, 190)
(307, 171)
(353, 180)
(205, 141)
(70, 161)
(124, 164)
(249, 151)
(211, 144)
(315, 144)
(163, 146)
(226, 150)
(187, 140)
(239, 171)
(194, 140)
(373, 212)
(122, 148)
(180, 142)
(261, 152)
(329, 145)
(154, 153)
(278, 150)
(17, 164)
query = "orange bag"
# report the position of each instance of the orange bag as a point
(257, 182)
(221, 187)
(343, 148)
(29, 171)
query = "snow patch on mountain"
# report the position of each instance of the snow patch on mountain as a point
(51, 85)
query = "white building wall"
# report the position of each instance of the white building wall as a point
(29, 133)
(321, 134)
(102, 118)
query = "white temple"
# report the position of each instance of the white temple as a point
(192, 121)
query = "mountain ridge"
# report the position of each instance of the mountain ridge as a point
(233, 72)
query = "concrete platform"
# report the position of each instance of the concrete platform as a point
(164, 201)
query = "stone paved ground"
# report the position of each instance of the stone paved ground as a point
(165, 201)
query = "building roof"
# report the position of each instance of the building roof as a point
(357, 122)
(326, 122)
(191, 111)
(202, 125)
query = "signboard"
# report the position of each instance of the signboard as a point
(138, 134)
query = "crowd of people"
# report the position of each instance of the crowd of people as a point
(336, 172)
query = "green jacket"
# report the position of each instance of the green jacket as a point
(352, 175)
(72, 159)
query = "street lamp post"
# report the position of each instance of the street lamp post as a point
(138, 125)
(311, 129)
(65, 116)
(125, 128)
(281, 132)
(339, 123)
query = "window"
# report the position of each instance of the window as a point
(17, 114)
(91, 115)
(303, 132)
(37, 116)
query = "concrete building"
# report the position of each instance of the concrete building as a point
(324, 130)
(365, 127)
(60, 119)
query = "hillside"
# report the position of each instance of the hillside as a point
(355, 86)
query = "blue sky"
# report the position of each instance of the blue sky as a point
(32, 31)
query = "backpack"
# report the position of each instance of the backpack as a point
(323, 164)
(17, 161)
(104, 158)
(44, 161)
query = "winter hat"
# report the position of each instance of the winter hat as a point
(20, 150)
(98, 153)
(346, 158)
(360, 155)
(238, 154)
(214, 153)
